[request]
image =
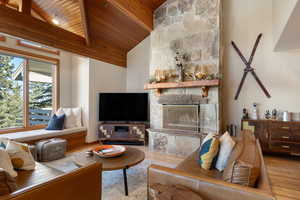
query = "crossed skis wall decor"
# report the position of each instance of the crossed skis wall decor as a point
(249, 68)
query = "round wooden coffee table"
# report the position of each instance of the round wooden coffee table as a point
(130, 158)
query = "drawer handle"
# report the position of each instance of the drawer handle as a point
(285, 146)
(285, 137)
(285, 127)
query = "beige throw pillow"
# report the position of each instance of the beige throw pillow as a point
(6, 164)
(226, 146)
(20, 156)
(73, 117)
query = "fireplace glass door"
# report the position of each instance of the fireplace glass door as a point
(181, 117)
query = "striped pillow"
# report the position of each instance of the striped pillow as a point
(208, 152)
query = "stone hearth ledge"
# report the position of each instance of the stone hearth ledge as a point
(174, 142)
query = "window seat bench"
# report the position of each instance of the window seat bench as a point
(74, 136)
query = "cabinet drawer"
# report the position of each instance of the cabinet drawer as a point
(296, 149)
(281, 134)
(282, 147)
(296, 134)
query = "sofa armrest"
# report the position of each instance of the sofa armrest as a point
(83, 183)
(207, 188)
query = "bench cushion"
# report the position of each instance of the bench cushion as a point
(40, 134)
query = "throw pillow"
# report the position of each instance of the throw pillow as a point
(172, 192)
(56, 122)
(6, 164)
(208, 136)
(244, 165)
(208, 152)
(226, 147)
(73, 117)
(20, 156)
(3, 143)
(7, 183)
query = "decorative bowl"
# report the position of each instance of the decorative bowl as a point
(109, 151)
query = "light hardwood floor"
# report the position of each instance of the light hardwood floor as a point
(284, 172)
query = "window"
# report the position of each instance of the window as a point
(27, 92)
(11, 93)
(36, 46)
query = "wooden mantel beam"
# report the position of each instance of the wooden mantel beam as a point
(137, 11)
(27, 27)
(84, 21)
(25, 6)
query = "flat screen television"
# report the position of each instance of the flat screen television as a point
(123, 107)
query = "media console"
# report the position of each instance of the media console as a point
(120, 133)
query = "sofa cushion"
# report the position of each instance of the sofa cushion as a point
(20, 155)
(7, 183)
(40, 134)
(190, 165)
(244, 165)
(56, 122)
(172, 192)
(208, 152)
(226, 147)
(5, 163)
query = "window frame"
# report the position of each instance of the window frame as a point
(43, 49)
(56, 91)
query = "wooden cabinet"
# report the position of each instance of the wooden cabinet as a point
(276, 136)
(122, 133)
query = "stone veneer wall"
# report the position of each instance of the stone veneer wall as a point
(193, 28)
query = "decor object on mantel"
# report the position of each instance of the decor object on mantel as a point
(179, 66)
(204, 84)
(249, 68)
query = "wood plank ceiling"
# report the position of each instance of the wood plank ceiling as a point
(118, 25)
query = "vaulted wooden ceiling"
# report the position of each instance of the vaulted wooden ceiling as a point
(101, 29)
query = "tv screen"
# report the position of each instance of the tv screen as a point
(123, 107)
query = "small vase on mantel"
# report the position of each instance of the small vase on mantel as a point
(179, 67)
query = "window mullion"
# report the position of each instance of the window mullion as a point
(26, 93)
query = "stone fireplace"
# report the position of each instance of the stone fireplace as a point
(180, 117)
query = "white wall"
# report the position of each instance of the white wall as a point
(81, 86)
(280, 72)
(90, 77)
(282, 11)
(104, 78)
(138, 62)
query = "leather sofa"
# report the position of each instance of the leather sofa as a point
(209, 184)
(45, 183)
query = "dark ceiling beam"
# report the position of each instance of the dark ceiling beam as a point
(25, 6)
(84, 21)
(29, 28)
(137, 11)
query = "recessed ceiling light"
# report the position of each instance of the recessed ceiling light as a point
(55, 21)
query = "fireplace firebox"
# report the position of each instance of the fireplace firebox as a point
(181, 117)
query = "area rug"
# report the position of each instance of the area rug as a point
(112, 181)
